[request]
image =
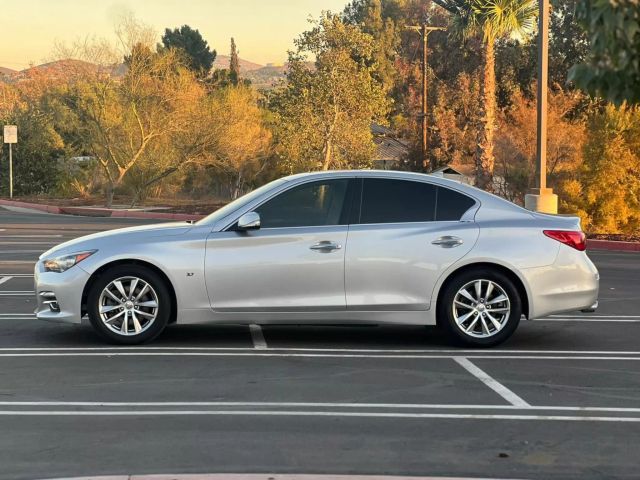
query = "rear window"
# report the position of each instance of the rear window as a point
(452, 205)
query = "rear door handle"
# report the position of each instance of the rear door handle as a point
(325, 246)
(448, 241)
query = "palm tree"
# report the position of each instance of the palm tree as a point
(493, 20)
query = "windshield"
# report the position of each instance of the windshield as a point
(239, 203)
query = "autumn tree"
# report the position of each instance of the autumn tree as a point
(324, 112)
(121, 122)
(516, 143)
(491, 20)
(605, 189)
(226, 133)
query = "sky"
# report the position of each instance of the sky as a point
(263, 29)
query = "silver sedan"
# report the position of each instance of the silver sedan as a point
(334, 247)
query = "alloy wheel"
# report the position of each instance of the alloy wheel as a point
(128, 306)
(481, 308)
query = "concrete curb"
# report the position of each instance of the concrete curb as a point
(156, 215)
(613, 245)
(100, 212)
(33, 206)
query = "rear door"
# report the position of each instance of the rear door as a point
(403, 237)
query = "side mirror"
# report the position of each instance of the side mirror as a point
(249, 221)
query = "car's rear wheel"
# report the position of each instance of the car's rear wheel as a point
(480, 308)
(129, 304)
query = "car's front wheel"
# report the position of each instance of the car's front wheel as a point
(480, 308)
(129, 304)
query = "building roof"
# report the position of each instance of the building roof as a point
(465, 170)
(389, 147)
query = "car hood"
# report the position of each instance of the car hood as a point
(96, 240)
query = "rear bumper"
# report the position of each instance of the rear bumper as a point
(66, 288)
(570, 284)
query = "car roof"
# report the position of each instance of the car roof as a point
(421, 177)
(485, 198)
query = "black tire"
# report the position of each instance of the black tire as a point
(445, 312)
(163, 312)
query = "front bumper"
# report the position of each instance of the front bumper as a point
(66, 288)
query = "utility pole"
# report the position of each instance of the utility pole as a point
(424, 31)
(542, 199)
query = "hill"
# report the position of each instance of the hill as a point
(6, 71)
(266, 77)
(222, 61)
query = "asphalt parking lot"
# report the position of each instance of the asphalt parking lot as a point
(560, 400)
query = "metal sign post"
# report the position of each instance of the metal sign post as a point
(10, 136)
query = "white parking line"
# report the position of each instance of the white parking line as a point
(259, 476)
(456, 352)
(592, 316)
(255, 353)
(5, 279)
(590, 319)
(257, 337)
(281, 413)
(327, 405)
(490, 382)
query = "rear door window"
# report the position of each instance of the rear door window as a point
(397, 201)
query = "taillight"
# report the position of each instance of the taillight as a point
(576, 240)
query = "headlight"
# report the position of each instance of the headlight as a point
(65, 262)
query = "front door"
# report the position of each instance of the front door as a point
(407, 234)
(295, 261)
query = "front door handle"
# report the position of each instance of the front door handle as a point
(325, 246)
(448, 241)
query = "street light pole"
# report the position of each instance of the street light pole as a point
(543, 80)
(542, 199)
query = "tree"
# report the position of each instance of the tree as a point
(234, 64)
(122, 122)
(612, 69)
(35, 156)
(492, 20)
(226, 133)
(516, 142)
(379, 19)
(199, 57)
(605, 190)
(323, 114)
